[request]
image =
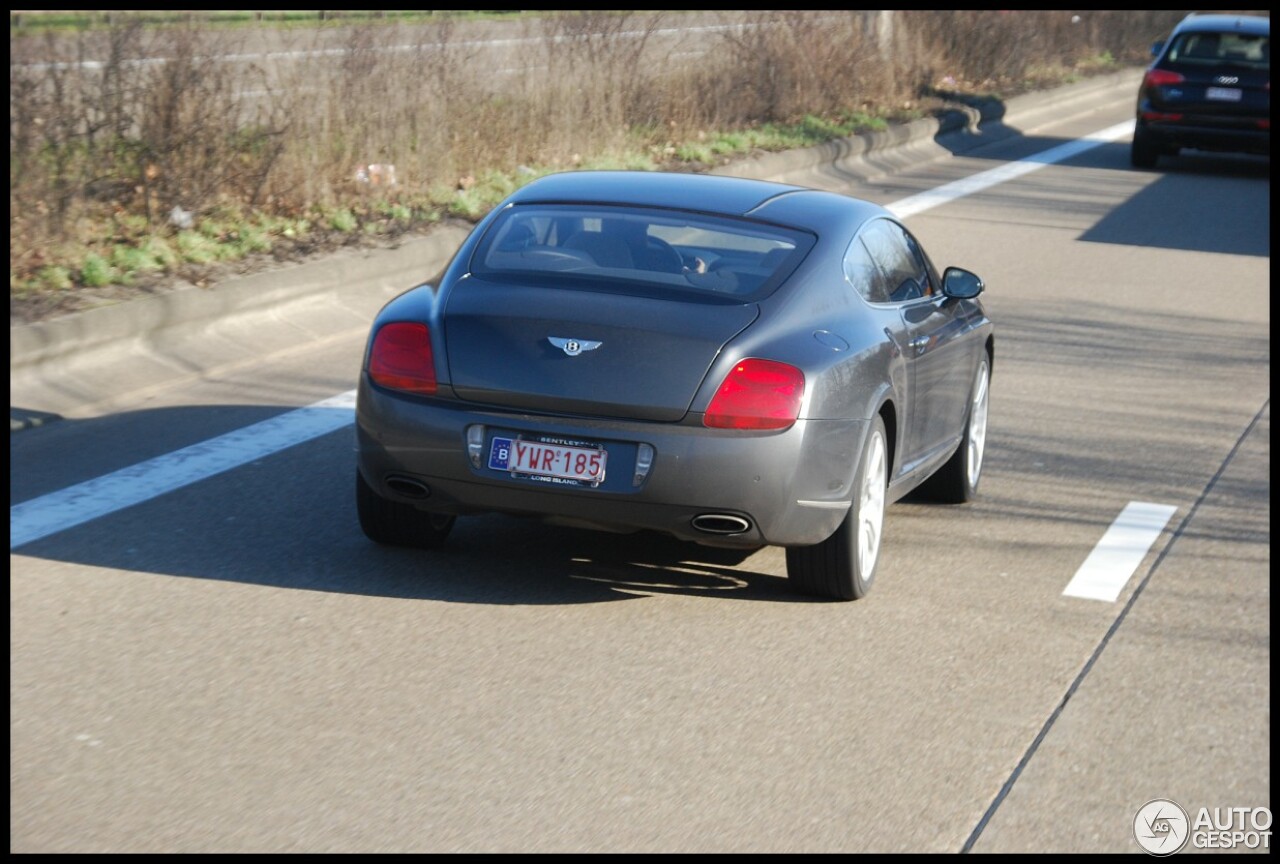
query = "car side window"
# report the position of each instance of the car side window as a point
(863, 274)
(900, 260)
(929, 274)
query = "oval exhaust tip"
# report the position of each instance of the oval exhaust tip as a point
(408, 487)
(721, 523)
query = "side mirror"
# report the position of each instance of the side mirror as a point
(960, 283)
(1156, 48)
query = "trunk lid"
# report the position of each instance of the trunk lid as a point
(618, 355)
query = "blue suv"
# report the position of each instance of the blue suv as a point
(1209, 88)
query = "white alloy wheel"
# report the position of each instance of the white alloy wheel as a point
(842, 567)
(977, 440)
(956, 482)
(871, 508)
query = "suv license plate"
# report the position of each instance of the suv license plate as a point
(523, 457)
(1223, 94)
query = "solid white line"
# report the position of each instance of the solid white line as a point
(949, 192)
(1106, 571)
(78, 504)
(75, 505)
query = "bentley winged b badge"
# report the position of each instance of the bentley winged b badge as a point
(573, 347)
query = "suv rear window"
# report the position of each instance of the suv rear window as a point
(659, 252)
(1251, 51)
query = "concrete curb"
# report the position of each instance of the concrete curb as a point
(89, 360)
(86, 361)
(962, 128)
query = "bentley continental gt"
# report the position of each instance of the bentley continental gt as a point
(732, 362)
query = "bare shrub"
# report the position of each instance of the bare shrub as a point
(598, 70)
(1127, 35)
(1010, 47)
(981, 45)
(375, 94)
(129, 119)
(836, 72)
(193, 143)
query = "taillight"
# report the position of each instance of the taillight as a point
(1161, 77)
(757, 394)
(401, 358)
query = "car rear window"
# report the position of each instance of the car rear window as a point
(1214, 49)
(654, 252)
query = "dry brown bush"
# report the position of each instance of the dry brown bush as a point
(1005, 47)
(841, 67)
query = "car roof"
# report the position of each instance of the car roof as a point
(703, 193)
(729, 196)
(1253, 24)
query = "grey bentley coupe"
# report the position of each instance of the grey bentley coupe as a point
(732, 362)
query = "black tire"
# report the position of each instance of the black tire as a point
(843, 566)
(394, 524)
(1143, 154)
(956, 482)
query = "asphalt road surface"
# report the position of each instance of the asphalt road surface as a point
(233, 667)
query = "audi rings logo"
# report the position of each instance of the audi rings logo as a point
(1161, 827)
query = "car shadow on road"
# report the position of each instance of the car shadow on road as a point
(1218, 194)
(288, 520)
(1225, 196)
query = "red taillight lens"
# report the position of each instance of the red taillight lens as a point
(1161, 77)
(757, 394)
(401, 358)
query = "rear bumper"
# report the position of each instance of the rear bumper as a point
(1233, 137)
(791, 487)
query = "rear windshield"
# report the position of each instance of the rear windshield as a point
(1216, 49)
(654, 252)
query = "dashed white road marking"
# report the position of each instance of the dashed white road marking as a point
(1106, 571)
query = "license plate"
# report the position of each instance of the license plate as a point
(1223, 94)
(549, 462)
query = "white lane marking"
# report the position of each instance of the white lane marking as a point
(75, 505)
(949, 192)
(1106, 571)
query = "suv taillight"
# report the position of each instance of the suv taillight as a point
(757, 394)
(401, 358)
(1161, 77)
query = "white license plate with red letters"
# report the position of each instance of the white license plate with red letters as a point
(545, 459)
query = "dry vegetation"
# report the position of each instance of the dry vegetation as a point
(140, 153)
